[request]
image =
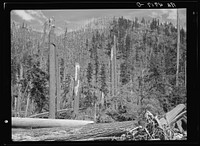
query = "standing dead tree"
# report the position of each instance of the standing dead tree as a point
(52, 72)
(113, 70)
(178, 48)
(76, 89)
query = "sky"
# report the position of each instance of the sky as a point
(77, 17)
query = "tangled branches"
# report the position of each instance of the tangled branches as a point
(153, 129)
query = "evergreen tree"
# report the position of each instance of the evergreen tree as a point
(103, 79)
(89, 73)
(136, 23)
(143, 20)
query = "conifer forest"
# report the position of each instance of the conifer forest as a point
(113, 70)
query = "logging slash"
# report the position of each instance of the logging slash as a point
(169, 127)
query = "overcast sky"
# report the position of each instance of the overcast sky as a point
(74, 18)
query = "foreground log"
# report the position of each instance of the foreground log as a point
(45, 123)
(90, 131)
(100, 139)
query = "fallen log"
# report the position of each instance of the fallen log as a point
(45, 123)
(100, 139)
(87, 132)
(46, 114)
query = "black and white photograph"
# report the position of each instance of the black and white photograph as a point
(98, 74)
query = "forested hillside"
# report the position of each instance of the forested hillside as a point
(126, 67)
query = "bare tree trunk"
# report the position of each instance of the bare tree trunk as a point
(16, 106)
(112, 72)
(113, 59)
(63, 83)
(114, 69)
(12, 100)
(71, 92)
(141, 89)
(185, 79)
(77, 84)
(95, 111)
(19, 101)
(24, 95)
(178, 44)
(118, 76)
(58, 84)
(19, 90)
(32, 107)
(27, 105)
(110, 80)
(185, 74)
(102, 99)
(52, 71)
(115, 65)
